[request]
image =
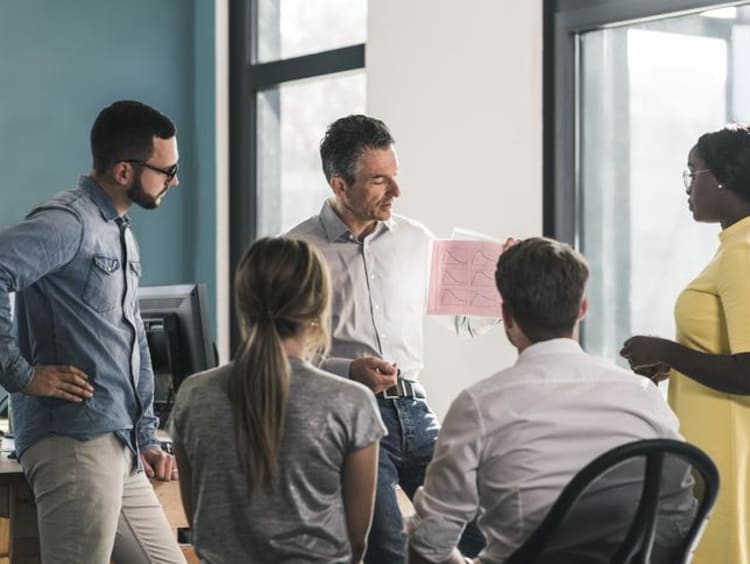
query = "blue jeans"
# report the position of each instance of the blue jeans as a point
(404, 455)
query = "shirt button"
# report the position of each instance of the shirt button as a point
(377, 307)
(372, 276)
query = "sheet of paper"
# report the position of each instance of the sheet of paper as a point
(462, 278)
(463, 234)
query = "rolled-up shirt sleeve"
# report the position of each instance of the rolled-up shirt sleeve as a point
(449, 497)
(337, 366)
(43, 243)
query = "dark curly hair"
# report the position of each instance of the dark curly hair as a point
(726, 153)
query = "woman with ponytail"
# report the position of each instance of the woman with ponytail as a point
(278, 459)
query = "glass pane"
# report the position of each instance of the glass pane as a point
(291, 121)
(648, 90)
(290, 28)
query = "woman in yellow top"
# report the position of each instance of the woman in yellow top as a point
(709, 387)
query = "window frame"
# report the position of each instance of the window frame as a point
(563, 23)
(247, 78)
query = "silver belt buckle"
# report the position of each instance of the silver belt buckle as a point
(405, 391)
(401, 390)
(386, 395)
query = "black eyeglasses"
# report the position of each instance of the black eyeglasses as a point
(169, 172)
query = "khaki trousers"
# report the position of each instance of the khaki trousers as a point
(93, 508)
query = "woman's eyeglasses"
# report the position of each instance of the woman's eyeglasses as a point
(688, 176)
(169, 172)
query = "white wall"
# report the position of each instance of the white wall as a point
(460, 85)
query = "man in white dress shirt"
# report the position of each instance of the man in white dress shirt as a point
(510, 443)
(378, 264)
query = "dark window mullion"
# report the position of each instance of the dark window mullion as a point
(247, 79)
(242, 197)
(270, 74)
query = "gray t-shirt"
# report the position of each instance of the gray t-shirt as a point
(303, 519)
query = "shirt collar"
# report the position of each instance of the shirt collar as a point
(336, 229)
(553, 346)
(741, 228)
(100, 198)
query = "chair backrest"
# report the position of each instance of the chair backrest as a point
(644, 502)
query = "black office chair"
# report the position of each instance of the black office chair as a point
(644, 502)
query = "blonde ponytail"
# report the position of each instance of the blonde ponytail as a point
(282, 291)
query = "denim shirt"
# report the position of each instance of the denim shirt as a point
(74, 266)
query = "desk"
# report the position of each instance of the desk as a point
(17, 505)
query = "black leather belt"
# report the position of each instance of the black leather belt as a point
(404, 389)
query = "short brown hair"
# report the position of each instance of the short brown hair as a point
(542, 282)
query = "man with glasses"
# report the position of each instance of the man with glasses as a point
(80, 371)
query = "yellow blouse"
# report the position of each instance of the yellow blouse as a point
(713, 315)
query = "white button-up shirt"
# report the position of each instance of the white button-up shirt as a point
(510, 443)
(378, 286)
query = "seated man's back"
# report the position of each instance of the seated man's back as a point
(511, 443)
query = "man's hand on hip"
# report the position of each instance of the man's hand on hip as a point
(373, 372)
(59, 381)
(159, 464)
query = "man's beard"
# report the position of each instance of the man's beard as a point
(138, 195)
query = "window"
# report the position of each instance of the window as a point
(631, 98)
(292, 28)
(291, 120)
(295, 66)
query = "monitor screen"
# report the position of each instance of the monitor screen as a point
(179, 340)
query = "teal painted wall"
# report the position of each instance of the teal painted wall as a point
(61, 62)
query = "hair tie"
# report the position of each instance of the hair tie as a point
(264, 316)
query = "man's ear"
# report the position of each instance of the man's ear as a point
(122, 173)
(338, 186)
(508, 320)
(583, 308)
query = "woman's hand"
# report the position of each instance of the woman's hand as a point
(646, 356)
(656, 373)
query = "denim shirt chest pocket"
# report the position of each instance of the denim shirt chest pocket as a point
(103, 284)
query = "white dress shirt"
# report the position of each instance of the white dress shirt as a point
(510, 443)
(379, 291)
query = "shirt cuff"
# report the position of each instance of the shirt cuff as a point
(153, 443)
(147, 438)
(17, 375)
(433, 537)
(338, 366)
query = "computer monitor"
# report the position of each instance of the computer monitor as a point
(176, 322)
